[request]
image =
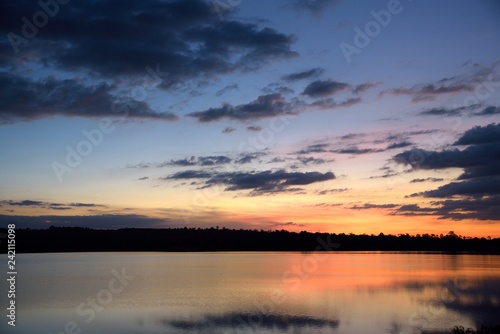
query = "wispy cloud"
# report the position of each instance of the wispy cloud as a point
(254, 128)
(428, 92)
(226, 89)
(228, 130)
(308, 74)
(428, 179)
(332, 191)
(212, 160)
(315, 7)
(48, 205)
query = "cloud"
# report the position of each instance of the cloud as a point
(480, 135)
(213, 160)
(441, 112)
(470, 208)
(332, 191)
(429, 92)
(192, 161)
(142, 165)
(186, 38)
(49, 205)
(489, 169)
(312, 161)
(245, 158)
(312, 73)
(200, 161)
(350, 136)
(399, 145)
(406, 136)
(314, 7)
(87, 205)
(367, 206)
(474, 194)
(324, 88)
(228, 130)
(387, 174)
(314, 148)
(480, 161)
(474, 208)
(143, 178)
(58, 207)
(278, 88)
(24, 203)
(472, 156)
(356, 150)
(330, 103)
(461, 111)
(188, 174)
(456, 209)
(364, 87)
(254, 128)
(275, 104)
(420, 132)
(481, 164)
(120, 53)
(327, 205)
(269, 181)
(265, 106)
(227, 88)
(477, 187)
(429, 179)
(415, 210)
(324, 148)
(210, 160)
(259, 183)
(288, 224)
(277, 160)
(488, 111)
(24, 99)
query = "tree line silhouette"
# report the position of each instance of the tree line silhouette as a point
(76, 239)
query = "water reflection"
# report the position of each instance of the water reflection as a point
(238, 322)
(454, 302)
(347, 293)
(479, 301)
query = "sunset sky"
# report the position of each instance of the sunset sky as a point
(317, 115)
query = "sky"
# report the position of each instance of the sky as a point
(317, 115)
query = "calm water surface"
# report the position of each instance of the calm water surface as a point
(341, 292)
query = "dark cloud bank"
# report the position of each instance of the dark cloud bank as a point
(475, 194)
(166, 44)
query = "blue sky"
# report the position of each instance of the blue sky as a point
(255, 116)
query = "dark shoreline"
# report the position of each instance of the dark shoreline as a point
(75, 239)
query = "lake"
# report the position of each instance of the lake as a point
(253, 292)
